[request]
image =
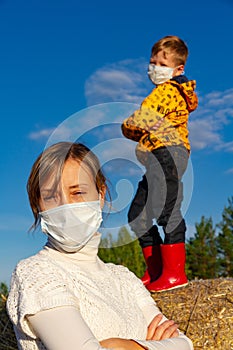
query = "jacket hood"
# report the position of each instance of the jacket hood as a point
(187, 91)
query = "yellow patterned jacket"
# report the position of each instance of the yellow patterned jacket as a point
(163, 117)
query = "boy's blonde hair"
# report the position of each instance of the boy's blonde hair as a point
(172, 44)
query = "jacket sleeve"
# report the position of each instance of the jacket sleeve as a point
(141, 123)
(132, 127)
(148, 116)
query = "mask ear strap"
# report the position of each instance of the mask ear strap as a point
(182, 73)
(101, 198)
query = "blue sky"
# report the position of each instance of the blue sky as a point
(84, 64)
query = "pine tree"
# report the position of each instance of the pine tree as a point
(202, 261)
(3, 292)
(225, 240)
(125, 250)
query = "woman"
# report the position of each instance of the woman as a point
(65, 297)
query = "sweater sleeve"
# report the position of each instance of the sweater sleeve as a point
(181, 343)
(35, 288)
(63, 328)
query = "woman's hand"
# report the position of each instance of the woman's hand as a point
(167, 329)
(156, 331)
(120, 344)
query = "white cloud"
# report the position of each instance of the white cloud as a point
(203, 134)
(213, 121)
(127, 81)
(221, 98)
(229, 171)
(95, 124)
(227, 147)
(210, 126)
(40, 134)
(122, 81)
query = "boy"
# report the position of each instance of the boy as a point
(160, 128)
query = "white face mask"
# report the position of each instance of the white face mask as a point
(70, 226)
(159, 74)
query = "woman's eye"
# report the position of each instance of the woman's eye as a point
(79, 193)
(50, 198)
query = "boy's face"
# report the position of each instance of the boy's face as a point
(166, 59)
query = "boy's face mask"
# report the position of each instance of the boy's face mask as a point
(159, 74)
(70, 226)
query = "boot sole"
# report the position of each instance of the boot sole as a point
(163, 290)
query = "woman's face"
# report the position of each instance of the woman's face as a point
(77, 185)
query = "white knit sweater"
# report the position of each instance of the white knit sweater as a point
(112, 300)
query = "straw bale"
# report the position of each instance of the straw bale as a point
(203, 310)
(7, 336)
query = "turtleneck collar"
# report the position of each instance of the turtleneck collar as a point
(87, 253)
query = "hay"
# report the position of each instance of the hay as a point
(203, 311)
(7, 336)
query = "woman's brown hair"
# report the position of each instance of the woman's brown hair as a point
(50, 164)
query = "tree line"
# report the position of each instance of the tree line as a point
(209, 253)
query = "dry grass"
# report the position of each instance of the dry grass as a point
(7, 337)
(203, 310)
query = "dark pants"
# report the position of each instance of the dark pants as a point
(159, 197)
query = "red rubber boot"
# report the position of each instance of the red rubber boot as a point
(173, 274)
(152, 256)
